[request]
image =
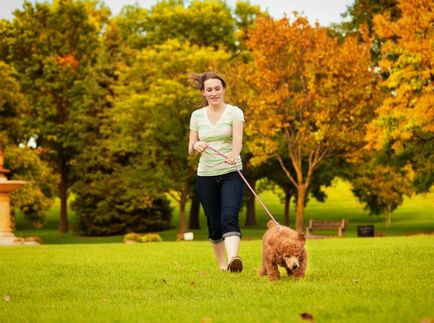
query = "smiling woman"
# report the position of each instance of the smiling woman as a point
(219, 125)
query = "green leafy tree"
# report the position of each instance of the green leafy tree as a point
(37, 195)
(113, 194)
(51, 46)
(381, 188)
(153, 114)
(202, 23)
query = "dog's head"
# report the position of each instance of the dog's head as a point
(288, 245)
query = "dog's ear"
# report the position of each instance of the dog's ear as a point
(301, 237)
(270, 224)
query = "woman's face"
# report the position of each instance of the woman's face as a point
(214, 91)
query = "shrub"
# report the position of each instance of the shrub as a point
(132, 237)
(151, 237)
(111, 206)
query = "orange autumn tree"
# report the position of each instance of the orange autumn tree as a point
(313, 98)
(406, 117)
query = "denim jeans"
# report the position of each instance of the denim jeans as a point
(221, 198)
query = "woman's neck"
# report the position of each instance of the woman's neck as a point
(217, 107)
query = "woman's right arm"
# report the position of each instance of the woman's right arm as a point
(194, 145)
(194, 137)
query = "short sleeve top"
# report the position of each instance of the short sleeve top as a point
(218, 136)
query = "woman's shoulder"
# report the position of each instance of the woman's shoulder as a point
(234, 108)
(199, 111)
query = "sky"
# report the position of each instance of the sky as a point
(323, 11)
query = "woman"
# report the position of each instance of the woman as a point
(219, 125)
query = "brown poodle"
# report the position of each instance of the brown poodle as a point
(284, 247)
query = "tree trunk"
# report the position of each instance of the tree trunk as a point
(63, 193)
(194, 222)
(250, 208)
(299, 219)
(388, 219)
(182, 203)
(287, 206)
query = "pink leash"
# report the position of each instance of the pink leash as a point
(251, 189)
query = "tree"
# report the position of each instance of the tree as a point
(202, 23)
(110, 197)
(313, 100)
(51, 46)
(382, 188)
(362, 12)
(405, 119)
(152, 113)
(24, 163)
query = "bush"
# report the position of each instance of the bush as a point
(111, 206)
(132, 237)
(151, 237)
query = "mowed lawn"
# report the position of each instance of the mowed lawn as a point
(387, 279)
(100, 279)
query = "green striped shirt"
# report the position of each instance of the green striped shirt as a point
(218, 136)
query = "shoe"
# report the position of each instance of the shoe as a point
(235, 265)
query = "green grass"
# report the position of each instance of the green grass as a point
(348, 280)
(415, 216)
(89, 279)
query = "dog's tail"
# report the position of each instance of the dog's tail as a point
(271, 224)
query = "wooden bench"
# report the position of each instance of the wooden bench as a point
(340, 225)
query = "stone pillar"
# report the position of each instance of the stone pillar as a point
(6, 235)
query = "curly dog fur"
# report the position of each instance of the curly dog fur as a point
(284, 247)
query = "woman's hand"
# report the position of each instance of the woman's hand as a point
(200, 146)
(231, 159)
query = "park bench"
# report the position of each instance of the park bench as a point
(314, 225)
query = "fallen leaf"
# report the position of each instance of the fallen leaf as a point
(307, 316)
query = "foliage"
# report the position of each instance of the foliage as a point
(113, 195)
(382, 188)
(311, 102)
(38, 194)
(12, 106)
(152, 111)
(360, 14)
(51, 47)
(107, 212)
(132, 236)
(136, 237)
(202, 23)
(406, 116)
(151, 237)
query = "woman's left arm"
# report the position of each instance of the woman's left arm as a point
(237, 142)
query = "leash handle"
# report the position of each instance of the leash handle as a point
(248, 185)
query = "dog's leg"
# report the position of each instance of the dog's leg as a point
(272, 271)
(300, 271)
(288, 271)
(262, 270)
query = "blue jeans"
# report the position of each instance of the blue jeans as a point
(221, 198)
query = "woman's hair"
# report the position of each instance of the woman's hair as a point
(199, 79)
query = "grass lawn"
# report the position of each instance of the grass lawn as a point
(348, 280)
(87, 279)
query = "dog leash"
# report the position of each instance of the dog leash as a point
(248, 185)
